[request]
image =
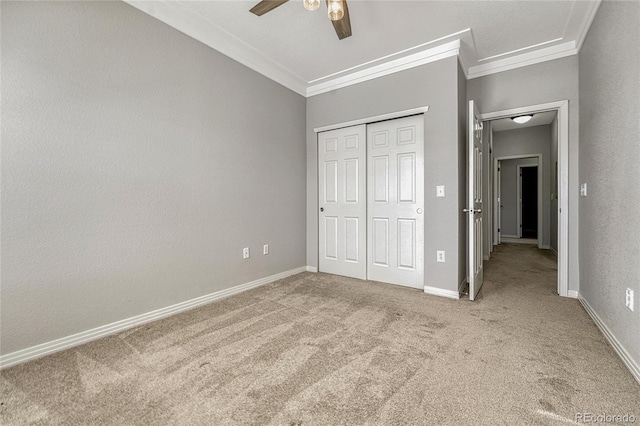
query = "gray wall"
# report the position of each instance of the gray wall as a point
(537, 84)
(554, 185)
(508, 194)
(136, 164)
(529, 140)
(436, 85)
(610, 165)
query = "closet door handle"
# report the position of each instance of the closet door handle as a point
(419, 211)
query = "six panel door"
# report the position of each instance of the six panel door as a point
(342, 201)
(395, 201)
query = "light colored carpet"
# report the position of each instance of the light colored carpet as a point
(327, 350)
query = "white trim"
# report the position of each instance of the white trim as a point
(563, 179)
(545, 247)
(629, 362)
(461, 44)
(583, 30)
(63, 343)
(504, 237)
(525, 59)
(391, 67)
(373, 119)
(554, 251)
(312, 269)
(435, 291)
(179, 16)
(572, 294)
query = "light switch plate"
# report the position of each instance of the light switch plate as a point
(583, 190)
(440, 256)
(440, 191)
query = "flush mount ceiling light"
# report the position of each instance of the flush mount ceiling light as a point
(521, 119)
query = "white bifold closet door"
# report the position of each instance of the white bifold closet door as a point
(395, 206)
(371, 201)
(342, 202)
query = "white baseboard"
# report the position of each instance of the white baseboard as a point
(312, 269)
(545, 247)
(63, 343)
(572, 294)
(554, 251)
(435, 291)
(629, 362)
(486, 257)
(508, 236)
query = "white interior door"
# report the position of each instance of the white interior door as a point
(395, 222)
(342, 203)
(474, 204)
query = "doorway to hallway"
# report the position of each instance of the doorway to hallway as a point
(556, 182)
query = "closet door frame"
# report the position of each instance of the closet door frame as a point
(365, 121)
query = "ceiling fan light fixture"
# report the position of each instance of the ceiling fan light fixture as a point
(311, 4)
(335, 10)
(521, 119)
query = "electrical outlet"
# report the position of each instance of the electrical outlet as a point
(629, 299)
(265, 249)
(245, 253)
(440, 191)
(440, 255)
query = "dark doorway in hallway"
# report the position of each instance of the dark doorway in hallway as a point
(529, 222)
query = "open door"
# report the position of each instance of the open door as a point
(474, 203)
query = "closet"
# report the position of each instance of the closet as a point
(371, 201)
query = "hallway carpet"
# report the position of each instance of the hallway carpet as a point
(317, 349)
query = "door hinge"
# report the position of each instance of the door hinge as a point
(498, 229)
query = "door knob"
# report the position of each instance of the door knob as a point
(321, 209)
(419, 211)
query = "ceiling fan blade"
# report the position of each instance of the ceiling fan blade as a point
(343, 26)
(266, 6)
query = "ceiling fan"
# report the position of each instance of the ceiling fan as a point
(338, 12)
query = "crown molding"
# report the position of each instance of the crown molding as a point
(533, 57)
(200, 28)
(390, 67)
(589, 16)
(461, 44)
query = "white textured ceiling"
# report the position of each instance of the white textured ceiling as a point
(300, 48)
